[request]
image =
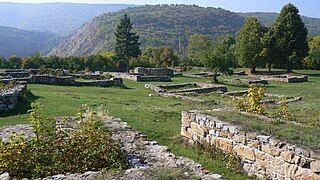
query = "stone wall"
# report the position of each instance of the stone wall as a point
(68, 81)
(286, 78)
(9, 97)
(152, 71)
(141, 78)
(261, 155)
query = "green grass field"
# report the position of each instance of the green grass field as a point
(159, 118)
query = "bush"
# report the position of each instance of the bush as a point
(252, 102)
(55, 150)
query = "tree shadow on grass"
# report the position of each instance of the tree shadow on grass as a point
(23, 105)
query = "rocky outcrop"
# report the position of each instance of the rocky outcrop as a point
(84, 41)
(261, 155)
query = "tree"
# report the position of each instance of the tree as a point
(291, 35)
(197, 43)
(168, 57)
(248, 44)
(269, 51)
(313, 59)
(127, 42)
(14, 62)
(221, 57)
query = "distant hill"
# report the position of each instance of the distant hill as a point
(313, 24)
(24, 43)
(59, 18)
(157, 25)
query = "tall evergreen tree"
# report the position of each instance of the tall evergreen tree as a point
(127, 43)
(270, 51)
(248, 44)
(291, 36)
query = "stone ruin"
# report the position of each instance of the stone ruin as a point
(180, 90)
(146, 74)
(31, 76)
(271, 98)
(141, 154)
(152, 71)
(9, 97)
(285, 78)
(261, 155)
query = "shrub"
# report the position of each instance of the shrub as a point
(284, 113)
(54, 150)
(252, 102)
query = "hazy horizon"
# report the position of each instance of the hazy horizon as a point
(308, 8)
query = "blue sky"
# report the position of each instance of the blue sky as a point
(307, 7)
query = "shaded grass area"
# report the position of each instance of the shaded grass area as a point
(157, 117)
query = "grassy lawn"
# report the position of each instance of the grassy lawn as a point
(157, 117)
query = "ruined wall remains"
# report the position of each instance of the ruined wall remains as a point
(152, 71)
(9, 97)
(141, 78)
(286, 78)
(261, 155)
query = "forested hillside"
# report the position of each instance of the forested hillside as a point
(60, 18)
(313, 24)
(157, 25)
(24, 43)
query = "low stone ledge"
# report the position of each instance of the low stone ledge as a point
(261, 155)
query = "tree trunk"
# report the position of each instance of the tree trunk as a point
(269, 67)
(253, 70)
(215, 79)
(289, 67)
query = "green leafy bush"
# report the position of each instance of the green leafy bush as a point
(54, 150)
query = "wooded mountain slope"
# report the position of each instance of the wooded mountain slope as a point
(313, 24)
(157, 25)
(24, 43)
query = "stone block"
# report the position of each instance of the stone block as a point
(287, 155)
(224, 144)
(252, 136)
(244, 152)
(315, 166)
(185, 133)
(290, 170)
(263, 138)
(239, 139)
(254, 144)
(196, 128)
(270, 150)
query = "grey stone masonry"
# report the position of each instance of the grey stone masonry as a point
(261, 155)
(141, 78)
(9, 97)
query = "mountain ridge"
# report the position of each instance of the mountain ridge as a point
(156, 22)
(17, 42)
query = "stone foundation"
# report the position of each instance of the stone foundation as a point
(261, 155)
(152, 71)
(141, 78)
(286, 78)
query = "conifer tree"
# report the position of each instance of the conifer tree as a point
(127, 43)
(291, 36)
